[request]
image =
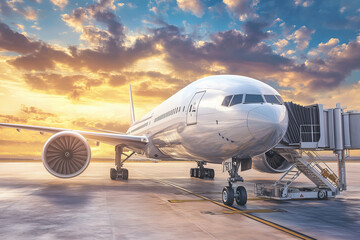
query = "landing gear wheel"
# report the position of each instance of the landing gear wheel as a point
(113, 174)
(241, 197)
(197, 172)
(193, 172)
(201, 173)
(322, 195)
(125, 174)
(211, 173)
(228, 196)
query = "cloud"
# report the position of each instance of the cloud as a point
(43, 58)
(241, 9)
(73, 86)
(281, 43)
(20, 26)
(28, 12)
(302, 37)
(172, 84)
(9, 7)
(16, 42)
(113, 55)
(232, 49)
(12, 119)
(324, 48)
(35, 113)
(60, 3)
(5, 8)
(338, 63)
(304, 3)
(118, 80)
(90, 124)
(26, 114)
(196, 7)
(147, 89)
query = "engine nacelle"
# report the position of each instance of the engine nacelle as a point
(66, 154)
(271, 162)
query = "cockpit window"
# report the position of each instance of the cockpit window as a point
(227, 100)
(253, 98)
(236, 99)
(280, 99)
(272, 99)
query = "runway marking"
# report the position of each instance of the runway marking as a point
(187, 200)
(202, 200)
(258, 219)
(255, 211)
(244, 211)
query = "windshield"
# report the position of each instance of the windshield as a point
(253, 98)
(272, 99)
(236, 99)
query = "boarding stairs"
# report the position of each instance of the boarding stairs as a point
(313, 168)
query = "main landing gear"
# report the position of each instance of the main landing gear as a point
(201, 172)
(233, 191)
(119, 172)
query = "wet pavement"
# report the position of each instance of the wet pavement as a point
(36, 205)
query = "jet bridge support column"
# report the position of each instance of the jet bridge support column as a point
(339, 146)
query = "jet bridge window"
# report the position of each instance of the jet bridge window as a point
(272, 99)
(237, 99)
(253, 98)
(227, 100)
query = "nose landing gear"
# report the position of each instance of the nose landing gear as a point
(231, 192)
(201, 172)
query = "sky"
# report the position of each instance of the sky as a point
(68, 63)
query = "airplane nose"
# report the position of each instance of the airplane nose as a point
(268, 123)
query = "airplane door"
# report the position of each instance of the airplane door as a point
(191, 116)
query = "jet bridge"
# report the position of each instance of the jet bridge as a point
(312, 129)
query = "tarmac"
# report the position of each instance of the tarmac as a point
(161, 201)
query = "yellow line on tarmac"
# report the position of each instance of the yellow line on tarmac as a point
(201, 200)
(254, 211)
(266, 222)
(187, 200)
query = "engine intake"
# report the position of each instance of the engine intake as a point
(271, 162)
(66, 154)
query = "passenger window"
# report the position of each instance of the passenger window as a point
(280, 99)
(227, 100)
(253, 98)
(236, 99)
(272, 99)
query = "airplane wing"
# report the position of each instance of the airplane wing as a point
(129, 141)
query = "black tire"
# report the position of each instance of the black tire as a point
(211, 173)
(197, 172)
(241, 198)
(201, 173)
(125, 174)
(322, 194)
(113, 174)
(228, 196)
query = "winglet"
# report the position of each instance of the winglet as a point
(131, 107)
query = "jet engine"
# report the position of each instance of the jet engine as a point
(271, 162)
(66, 154)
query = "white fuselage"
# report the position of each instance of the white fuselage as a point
(197, 124)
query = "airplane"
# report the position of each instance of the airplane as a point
(223, 119)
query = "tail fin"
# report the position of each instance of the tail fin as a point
(131, 107)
